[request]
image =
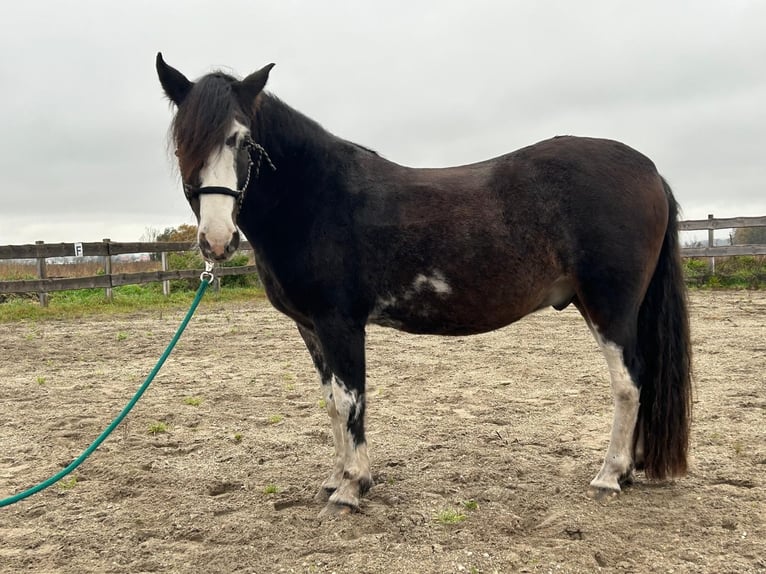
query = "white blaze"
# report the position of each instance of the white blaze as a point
(216, 211)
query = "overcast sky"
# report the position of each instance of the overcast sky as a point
(83, 121)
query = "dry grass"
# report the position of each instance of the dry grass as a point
(13, 270)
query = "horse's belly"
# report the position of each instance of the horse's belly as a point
(430, 316)
(432, 306)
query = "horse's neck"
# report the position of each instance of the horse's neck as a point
(292, 140)
(297, 157)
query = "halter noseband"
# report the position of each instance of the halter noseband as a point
(238, 194)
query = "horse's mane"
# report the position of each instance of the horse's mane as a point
(207, 112)
(202, 120)
(273, 116)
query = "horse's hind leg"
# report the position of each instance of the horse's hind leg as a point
(616, 339)
(618, 463)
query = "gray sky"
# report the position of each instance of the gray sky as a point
(83, 121)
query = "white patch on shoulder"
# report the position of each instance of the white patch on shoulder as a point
(436, 282)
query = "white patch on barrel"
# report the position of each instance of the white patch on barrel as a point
(436, 282)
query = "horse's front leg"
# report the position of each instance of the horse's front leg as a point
(337, 347)
(325, 379)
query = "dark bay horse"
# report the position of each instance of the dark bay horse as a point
(344, 237)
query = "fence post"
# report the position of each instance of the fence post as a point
(710, 243)
(217, 280)
(166, 282)
(42, 273)
(108, 268)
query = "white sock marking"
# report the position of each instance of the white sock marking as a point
(625, 396)
(357, 463)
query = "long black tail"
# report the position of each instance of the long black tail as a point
(664, 345)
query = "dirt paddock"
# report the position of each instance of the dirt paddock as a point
(505, 430)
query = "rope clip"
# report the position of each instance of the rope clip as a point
(207, 274)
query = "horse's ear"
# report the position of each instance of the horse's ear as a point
(249, 88)
(175, 84)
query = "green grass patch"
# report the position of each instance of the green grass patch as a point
(450, 516)
(274, 419)
(126, 299)
(470, 505)
(67, 483)
(271, 489)
(193, 401)
(158, 427)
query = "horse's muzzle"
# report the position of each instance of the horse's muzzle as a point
(218, 251)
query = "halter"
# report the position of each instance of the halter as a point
(238, 194)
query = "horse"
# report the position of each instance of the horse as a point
(344, 238)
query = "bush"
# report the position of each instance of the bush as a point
(249, 280)
(696, 271)
(193, 260)
(185, 260)
(738, 272)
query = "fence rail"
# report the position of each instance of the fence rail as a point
(721, 223)
(40, 252)
(106, 249)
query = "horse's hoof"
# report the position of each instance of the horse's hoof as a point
(323, 495)
(628, 479)
(603, 493)
(335, 509)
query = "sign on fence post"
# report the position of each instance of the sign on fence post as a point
(78, 249)
(42, 273)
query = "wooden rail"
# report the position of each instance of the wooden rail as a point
(721, 223)
(711, 251)
(106, 249)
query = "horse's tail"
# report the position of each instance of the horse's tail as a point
(664, 415)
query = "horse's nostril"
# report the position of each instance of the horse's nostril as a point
(233, 244)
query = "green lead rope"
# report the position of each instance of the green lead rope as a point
(206, 278)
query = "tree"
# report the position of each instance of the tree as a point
(749, 236)
(183, 232)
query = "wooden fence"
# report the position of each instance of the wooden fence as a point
(106, 249)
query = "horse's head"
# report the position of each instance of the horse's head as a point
(211, 133)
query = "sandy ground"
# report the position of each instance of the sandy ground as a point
(504, 429)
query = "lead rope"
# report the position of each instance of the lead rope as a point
(206, 278)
